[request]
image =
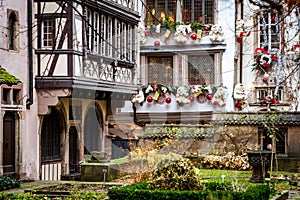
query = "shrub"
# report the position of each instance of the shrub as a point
(8, 182)
(139, 191)
(175, 173)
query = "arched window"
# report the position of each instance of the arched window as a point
(12, 31)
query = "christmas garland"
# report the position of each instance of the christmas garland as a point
(159, 93)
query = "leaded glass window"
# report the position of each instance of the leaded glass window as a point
(201, 69)
(160, 70)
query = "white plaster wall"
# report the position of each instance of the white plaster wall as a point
(289, 30)
(16, 63)
(226, 18)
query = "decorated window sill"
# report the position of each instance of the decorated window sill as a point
(158, 94)
(179, 33)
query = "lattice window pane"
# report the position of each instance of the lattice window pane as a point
(47, 33)
(198, 11)
(273, 41)
(161, 9)
(201, 69)
(160, 70)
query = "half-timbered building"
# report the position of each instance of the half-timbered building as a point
(86, 57)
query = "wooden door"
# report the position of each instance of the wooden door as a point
(9, 143)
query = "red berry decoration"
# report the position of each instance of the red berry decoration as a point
(215, 102)
(265, 80)
(156, 43)
(194, 36)
(191, 98)
(168, 100)
(146, 32)
(209, 97)
(149, 99)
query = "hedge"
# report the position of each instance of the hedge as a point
(139, 191)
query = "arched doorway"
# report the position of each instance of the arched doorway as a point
(93, 130)
(9, 135)
(51, 144)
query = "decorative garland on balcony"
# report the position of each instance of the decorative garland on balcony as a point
(158, 93)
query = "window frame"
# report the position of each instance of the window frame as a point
(12, 31)
(212, 74)
(180, 67)
(269, 26)
(160, 69)
(153, 6)
(50, 33)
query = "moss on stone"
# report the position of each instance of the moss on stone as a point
(7, 78)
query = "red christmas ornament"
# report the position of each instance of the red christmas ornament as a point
(265, 80)
(146, 32)
(191, 98)
(168, 100)
(242, 34)
(194, 36)
(206, 27)
(149, 99)
(156, 43)
(209, 97)
(239, 40)
(215, 102)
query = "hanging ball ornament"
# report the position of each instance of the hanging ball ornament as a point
(149, 99)
(146, 32)
(265, 80)
(209, 97)
(194, 36)
(168, 100)
(156, 43)
(191, 98)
